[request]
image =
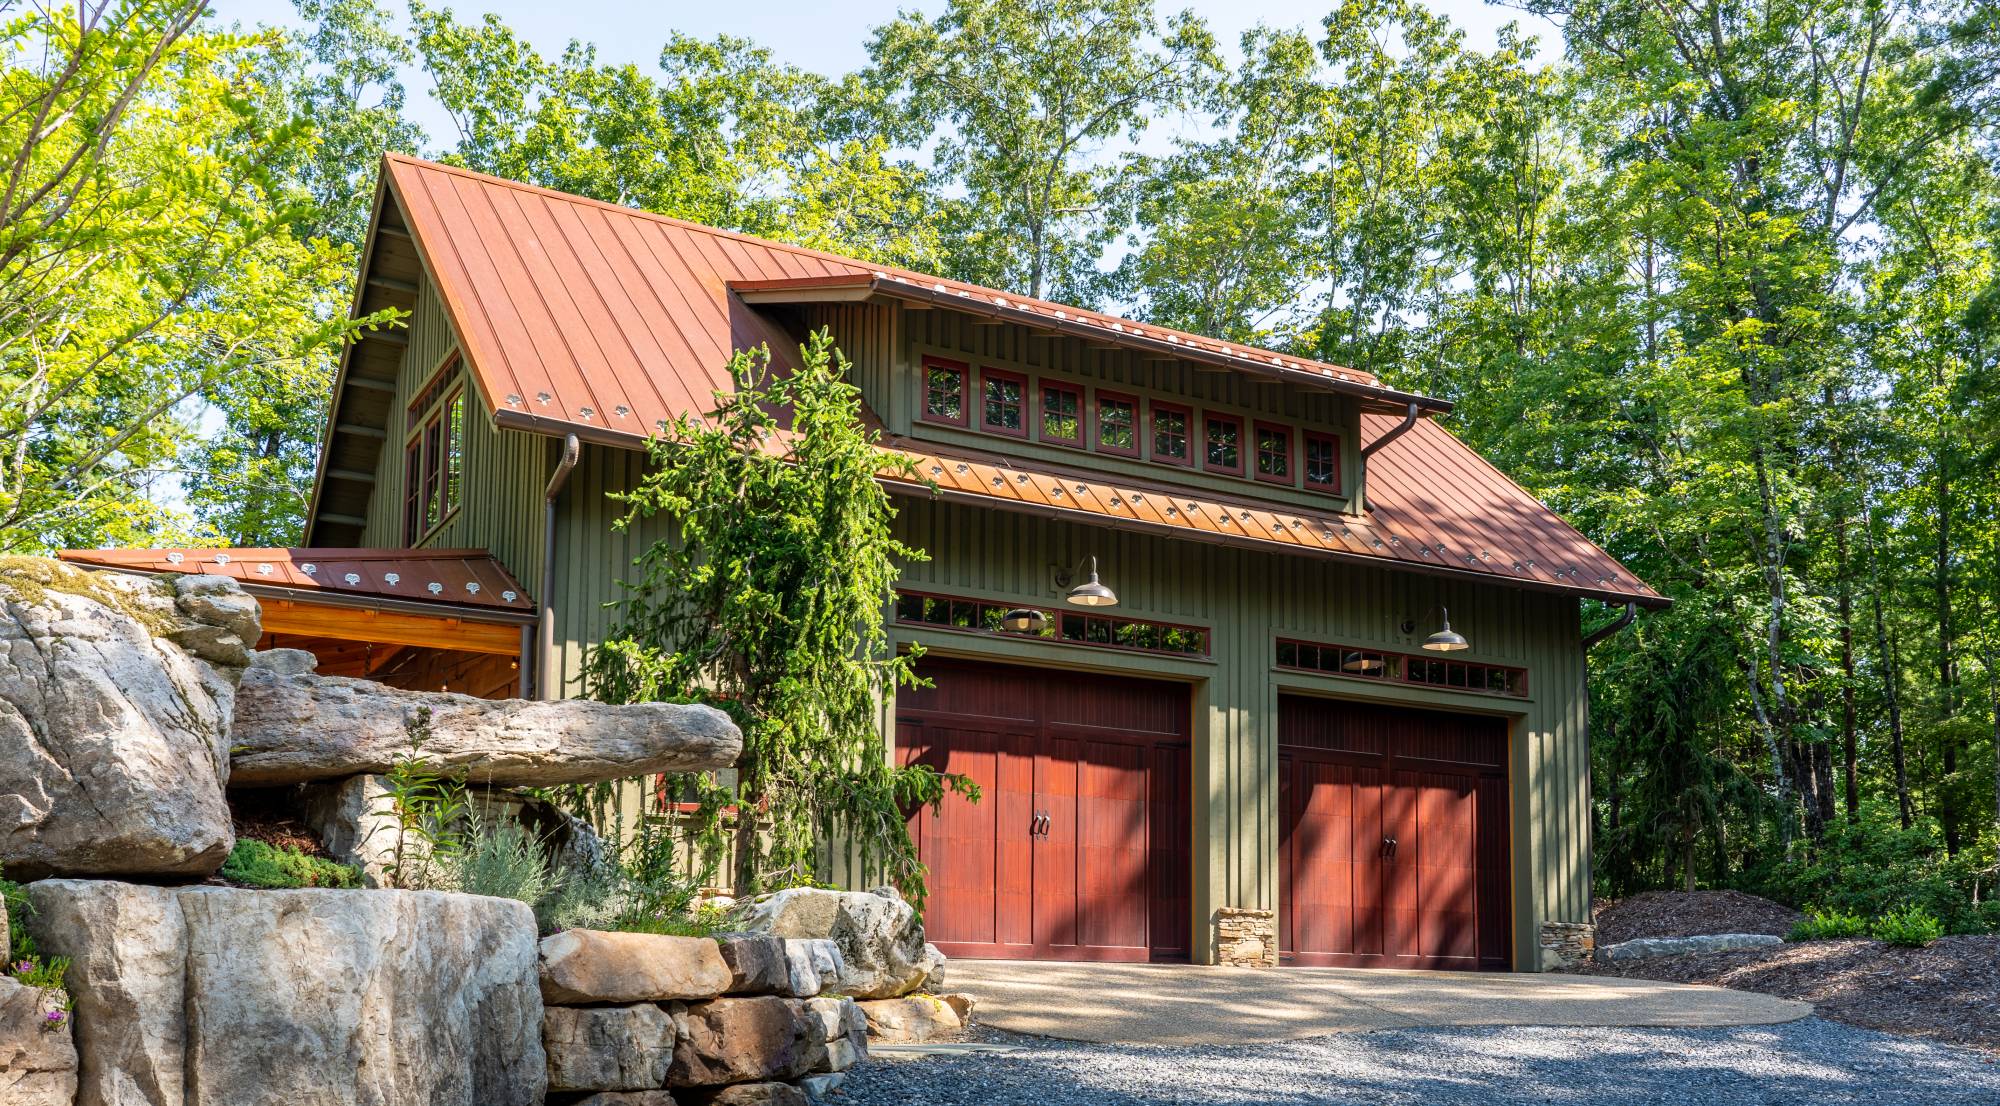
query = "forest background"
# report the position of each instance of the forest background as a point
(1716, 280)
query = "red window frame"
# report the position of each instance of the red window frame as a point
(1310, 438)
(1257, 431)
(1026, 403)
(1188, 436)
(433, 457)
(1042, 389)
(1235, 420)
(1131, 402)
(964, 372)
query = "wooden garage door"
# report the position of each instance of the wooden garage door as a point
(1393, 845)
(1078, 848)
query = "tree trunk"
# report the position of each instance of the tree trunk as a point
(1947, 665)
(1849, 745)
(1892, 678)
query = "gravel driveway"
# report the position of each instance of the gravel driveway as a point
(1808, 1063)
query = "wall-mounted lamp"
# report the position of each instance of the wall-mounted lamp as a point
(1446, 640)
(1090, 593)
(1024, 620)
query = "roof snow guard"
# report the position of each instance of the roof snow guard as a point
(468, 579)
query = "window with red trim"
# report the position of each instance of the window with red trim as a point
(1222, 443)
(1118, 423)
(944, 392)
(1173, 433)
(433, 456)
(1003, 402)
(1274, 452)
(1322, 462)
(1062, 413)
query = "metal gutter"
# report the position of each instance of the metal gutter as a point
(545, 649)
(1357, 504)
(1622, 621)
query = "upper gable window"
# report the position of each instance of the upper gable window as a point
(944, 392)
(1003, 402)
(1274, 453)
(1062, 413)
(1118, 423)
(434, 454)
(1222, 439)
(1171, 433)
(1322, 462)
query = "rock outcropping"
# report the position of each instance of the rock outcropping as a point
(209, 996)
(300, 728)
(115, 700)
(881, 943)
(37, 1056)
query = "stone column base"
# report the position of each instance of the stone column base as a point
(1246, 938)
(1566, 944)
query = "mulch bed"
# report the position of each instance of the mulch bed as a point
(270, 815)
(1690, 914)
(1949, 991)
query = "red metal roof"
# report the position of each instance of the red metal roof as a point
(584, 317)
(455, 577)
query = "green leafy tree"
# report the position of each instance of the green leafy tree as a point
(147, 261)
(1017, 102)
(767, 599)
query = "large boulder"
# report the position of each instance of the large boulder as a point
(356, 823)
(744, 1040)
(608, 1048)
(305, 727)
(580, 966)
(882, 949)
(37, 1056)
(337, 998)
(115, 698)
(127, 948)
(844, 1025)
(914, 1018)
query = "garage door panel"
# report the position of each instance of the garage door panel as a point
(1087, 839)
(1423, 880)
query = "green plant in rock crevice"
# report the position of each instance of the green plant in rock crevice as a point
(25, 964)
(426, 809)
(260, 864)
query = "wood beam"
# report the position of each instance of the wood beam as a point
(372, 383)
(394, 232)
(364, 431)
(393, 337)
(292, 616)
(341, 520)
(391, 284)
(355, 475)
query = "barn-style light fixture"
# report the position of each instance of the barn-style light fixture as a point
(1446, 640)
(1090, 593)
(1024, 620)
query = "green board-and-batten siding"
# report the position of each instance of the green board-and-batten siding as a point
(504, 473)
(1247, 598)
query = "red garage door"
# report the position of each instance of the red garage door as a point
(1078, 848)
(1393, 850)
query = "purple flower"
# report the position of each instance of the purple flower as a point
(22, 967)
(55, 1018)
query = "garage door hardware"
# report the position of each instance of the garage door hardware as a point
(1039, 825)
(1388, 848)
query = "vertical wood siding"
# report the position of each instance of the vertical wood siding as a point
(505, 470)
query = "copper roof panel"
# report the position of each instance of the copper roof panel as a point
(456, 577)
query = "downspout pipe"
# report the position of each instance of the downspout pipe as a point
(1359, 503)
(547, 682)
(1623, 620)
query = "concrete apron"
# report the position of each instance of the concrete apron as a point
(1178, 1004)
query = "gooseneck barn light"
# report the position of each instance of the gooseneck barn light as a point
(1090, 593)
(1446, 640)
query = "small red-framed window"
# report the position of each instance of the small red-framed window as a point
(1117, 423)
(1221, 443)
(1004, 407)
(1271, 444)
(1171, 433)
(1061, 413)
(1321, 462)
(944, 398)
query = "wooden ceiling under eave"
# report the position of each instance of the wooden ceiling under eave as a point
(364, 389)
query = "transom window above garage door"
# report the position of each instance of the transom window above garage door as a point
(985, 616)
(1360, 662)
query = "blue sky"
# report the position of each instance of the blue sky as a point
(815, 34)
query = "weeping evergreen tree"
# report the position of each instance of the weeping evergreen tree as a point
(1668, 735)
(766, 599)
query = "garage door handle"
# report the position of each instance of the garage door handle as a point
(1039, 825)
(1388, 848)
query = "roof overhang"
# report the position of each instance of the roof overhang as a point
(1156, 341)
